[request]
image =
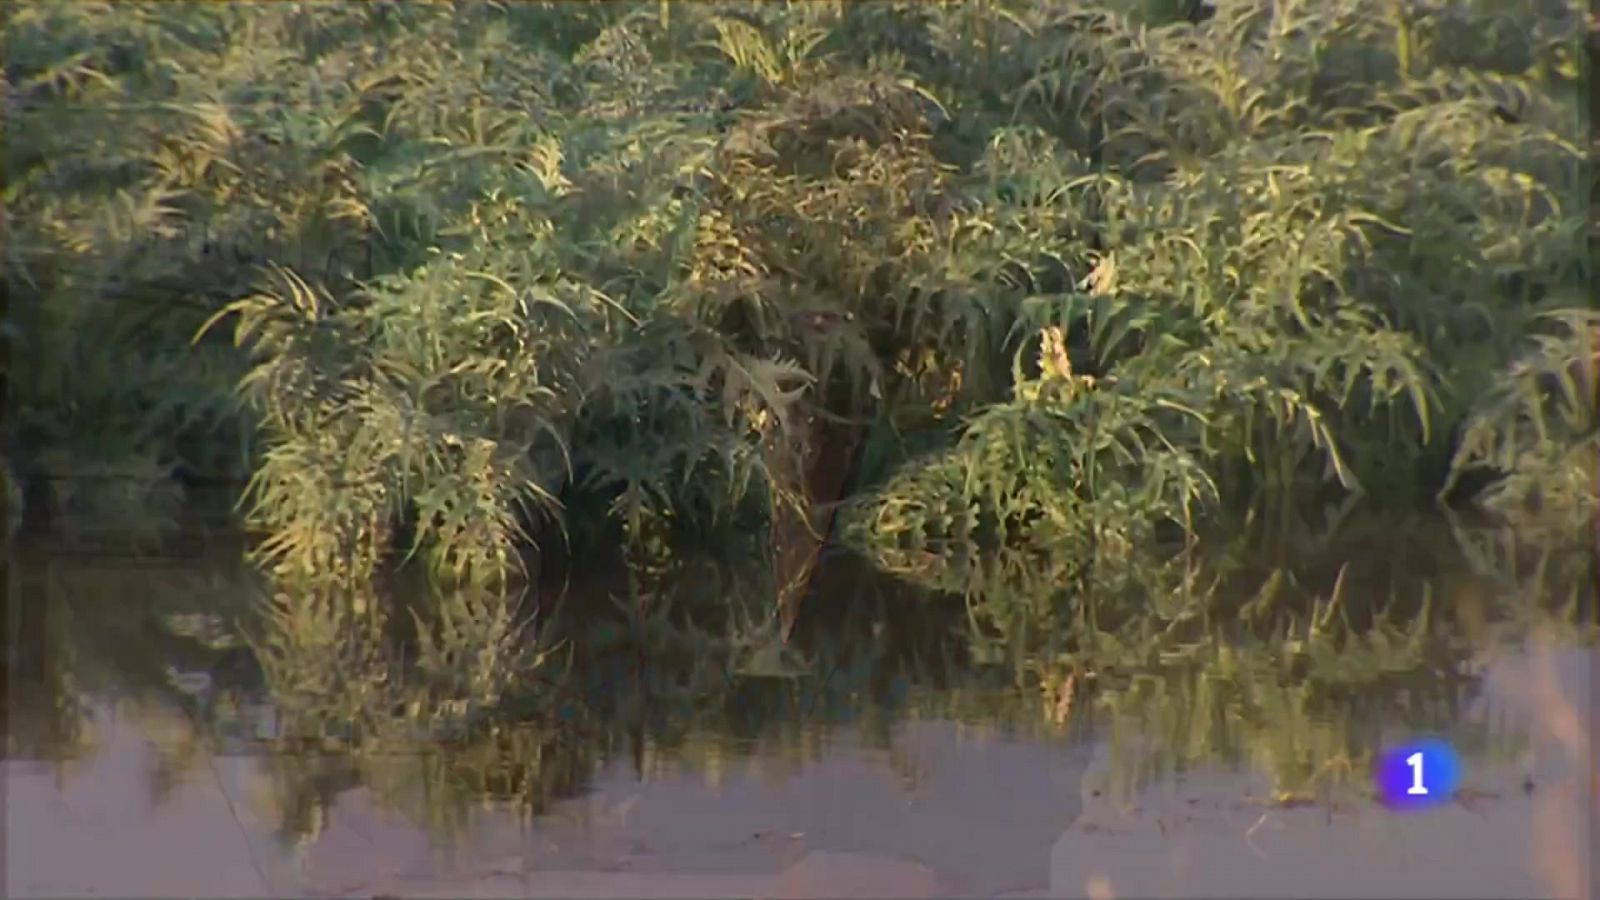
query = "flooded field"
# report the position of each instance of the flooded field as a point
(1074, 448)
(149, 755)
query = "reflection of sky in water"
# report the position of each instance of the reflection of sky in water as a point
(964, 796)
(1519, 827)
(953, 812)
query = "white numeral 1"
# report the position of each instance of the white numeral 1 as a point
(1417, 789)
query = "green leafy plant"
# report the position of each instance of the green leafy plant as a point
(510, 280)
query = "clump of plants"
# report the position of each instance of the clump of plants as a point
(1329, 246)
(1032, 285)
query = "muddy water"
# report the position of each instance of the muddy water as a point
(122, 778)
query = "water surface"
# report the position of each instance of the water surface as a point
(892, 767)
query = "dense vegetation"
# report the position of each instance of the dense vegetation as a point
(1032, 287)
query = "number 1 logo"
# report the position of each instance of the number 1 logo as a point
(1417, 774)
(1417, 789)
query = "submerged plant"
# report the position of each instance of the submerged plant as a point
(1539, 427)
(1310, 320)
(557, 276)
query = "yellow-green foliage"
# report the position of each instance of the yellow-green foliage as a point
(485, 262)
